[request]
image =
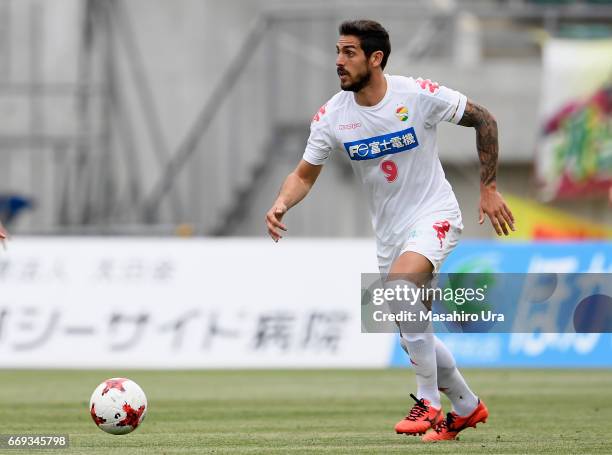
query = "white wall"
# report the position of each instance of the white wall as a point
(159, 303)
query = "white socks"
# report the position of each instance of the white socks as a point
(421, 348)
(451, 383)
(448, 378)
(433, 363)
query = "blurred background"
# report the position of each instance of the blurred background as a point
(156, 117)
(168, 127)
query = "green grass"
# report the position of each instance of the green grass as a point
(335, 411)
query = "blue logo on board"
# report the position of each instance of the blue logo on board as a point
(387, 144)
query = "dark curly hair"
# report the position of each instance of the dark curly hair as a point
(372, 36)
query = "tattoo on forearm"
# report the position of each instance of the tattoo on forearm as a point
(479, 118)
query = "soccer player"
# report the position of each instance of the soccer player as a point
(387, 127)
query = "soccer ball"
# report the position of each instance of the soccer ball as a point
(118, 406)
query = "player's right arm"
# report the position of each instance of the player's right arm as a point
(3, 235)
(295, 188)
(297, 184)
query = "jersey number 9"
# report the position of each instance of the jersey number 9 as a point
(389, 168)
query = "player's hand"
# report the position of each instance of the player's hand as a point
(273, 220)
(493, 205)
(3, 236)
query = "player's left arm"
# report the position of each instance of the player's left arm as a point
(491, 201)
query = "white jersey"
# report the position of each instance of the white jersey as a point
(393, 150)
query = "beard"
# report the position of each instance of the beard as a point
(358, 83)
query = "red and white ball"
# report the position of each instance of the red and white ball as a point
(118, 406)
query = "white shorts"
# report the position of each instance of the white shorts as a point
(434, 236)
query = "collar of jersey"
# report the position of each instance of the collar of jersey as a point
(377, 105)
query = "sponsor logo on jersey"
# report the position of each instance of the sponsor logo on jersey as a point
(401, 113)
(441, 228)
(349, 126)
(387, 144)
(429, 85)
(319, 113)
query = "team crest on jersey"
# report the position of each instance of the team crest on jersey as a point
(377, 146)
(401, 113)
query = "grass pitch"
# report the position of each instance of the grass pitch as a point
(323, 411)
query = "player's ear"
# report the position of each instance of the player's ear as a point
(376, 58)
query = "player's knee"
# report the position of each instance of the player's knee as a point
(406, 303)
(405, 294)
